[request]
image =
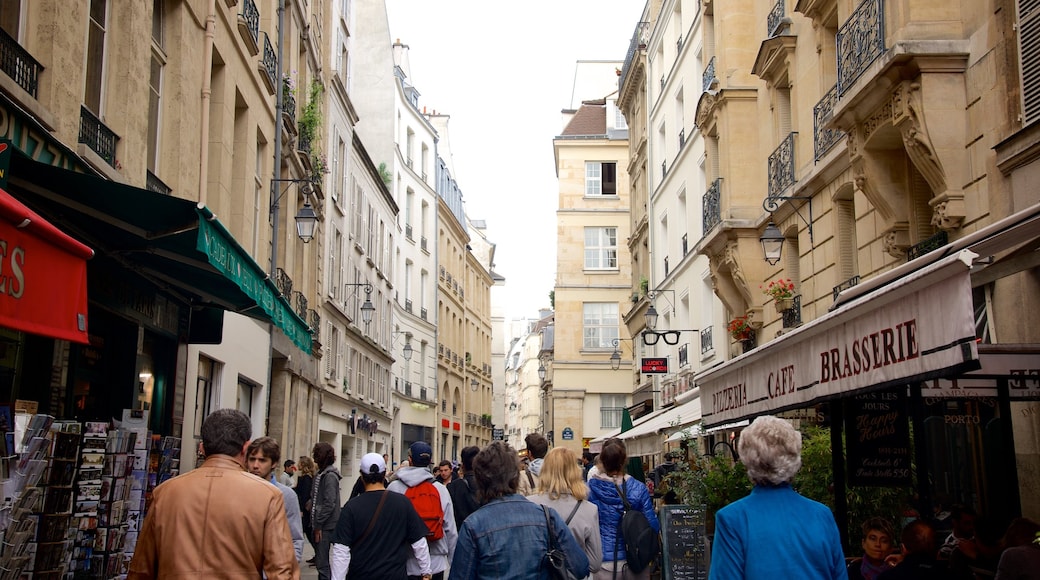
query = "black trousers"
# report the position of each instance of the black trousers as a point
(437, 576)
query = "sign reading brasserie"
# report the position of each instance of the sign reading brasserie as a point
(916, 328)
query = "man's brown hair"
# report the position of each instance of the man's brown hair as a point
(268, 446)
(537, 445)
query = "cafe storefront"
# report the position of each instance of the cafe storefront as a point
(906, 374)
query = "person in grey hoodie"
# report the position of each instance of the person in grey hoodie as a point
(325, 505)
(537, 447)
(417, 472)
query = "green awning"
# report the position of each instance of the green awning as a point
(177, 244)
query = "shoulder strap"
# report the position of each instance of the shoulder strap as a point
(621, 492)
(372, 522)
(530, 479)
(573, 511)
(548, 525)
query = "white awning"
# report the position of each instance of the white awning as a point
(919, 327)
(596, 445)
(648, 438)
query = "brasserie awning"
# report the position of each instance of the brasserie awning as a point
(43, 275)
(174, 242)
(918, 327)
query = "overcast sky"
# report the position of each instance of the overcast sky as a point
(503, 72)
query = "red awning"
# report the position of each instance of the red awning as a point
(43, 275)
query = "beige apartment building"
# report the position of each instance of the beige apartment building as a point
(874, 153)
(585, 397)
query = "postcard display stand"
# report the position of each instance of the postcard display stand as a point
(73, 500)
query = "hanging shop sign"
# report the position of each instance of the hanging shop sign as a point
(654, 365)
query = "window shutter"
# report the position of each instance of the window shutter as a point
(328, 350)
(1029, 48)
(846, 238)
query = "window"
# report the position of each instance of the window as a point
(335, 269)
(601, 248)
(610, 408)
(244, 401)
(10, 17)
(205, 391)
(600, 178)
(154, 93)
(1029, 24)
(95, 56)
(599, 324)
(258, 195)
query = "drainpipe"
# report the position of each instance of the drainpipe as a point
(207, 81)
(277, 138)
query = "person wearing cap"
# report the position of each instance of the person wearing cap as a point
(378, 532)
(286, 476)
(418, 472)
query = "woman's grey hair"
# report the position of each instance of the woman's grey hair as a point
(771, 450)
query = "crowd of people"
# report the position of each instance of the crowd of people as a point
(497, 515)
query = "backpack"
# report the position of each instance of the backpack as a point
(641, 541)
(427, 502)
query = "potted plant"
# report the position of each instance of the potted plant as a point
(741, 330)
(782, 292)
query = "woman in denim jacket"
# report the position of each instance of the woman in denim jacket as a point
(507, 538)
(603, 491)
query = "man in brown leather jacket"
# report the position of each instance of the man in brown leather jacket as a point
(217, 521)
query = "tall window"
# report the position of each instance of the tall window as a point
(244, 401)
(335, 267)
(601, 248)
(600, 178)
(10, 16)
(95, 56)
(155, 85)
(205, 390)
(599, 324)
(610, 409)
(258, 194)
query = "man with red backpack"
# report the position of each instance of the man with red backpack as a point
(433, 504)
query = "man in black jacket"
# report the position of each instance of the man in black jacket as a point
(464, 489)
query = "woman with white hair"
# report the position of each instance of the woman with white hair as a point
(774, 532)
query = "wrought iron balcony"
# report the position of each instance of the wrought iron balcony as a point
(684, 354)
(249, 25)
(682, 139)
(300, 302)
(269, 65)
(706, 344)
(823, 138)
(776, 15)
(289, 108)
(314, 320)
(153, 183)
(708, 78)
(711, 210)
(640, 36)
(94, 134)
(793, 318)
(781, 166)
(844, 286)
(860, 41)
(283, 282)
(303, 143)
(408, 388)
(408, 305)
(422, 313)
(17, 63)
(921, 248)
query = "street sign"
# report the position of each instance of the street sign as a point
(658, 365)
(498, 434)
(568, 434)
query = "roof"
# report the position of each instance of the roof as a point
(591, 119)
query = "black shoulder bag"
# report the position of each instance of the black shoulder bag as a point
(555, 559)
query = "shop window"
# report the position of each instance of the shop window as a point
(244, 401)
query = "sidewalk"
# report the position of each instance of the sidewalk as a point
(308, 572)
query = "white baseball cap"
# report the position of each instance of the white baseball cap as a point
(373, 463)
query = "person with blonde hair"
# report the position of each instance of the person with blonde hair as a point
(774, 532)
(562, 487)
(304, 485)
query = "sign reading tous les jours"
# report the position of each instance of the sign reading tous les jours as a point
(878, 439)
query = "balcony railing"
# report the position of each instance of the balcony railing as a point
(860, 41)
(408, 231)
(314, 320)
(706, 344)
(300, 302)
(408, 305)
(844, 286)
(823, 138)
(269, 64)
(682, 139)
(153, 183)
(776, 15)
(793, 318)
(923, 247)
(640, 36)
(422, 313)
(708, 78)
(17, 63)
(781, 166)
(711, 210)
(289, 107)
(303, 143)
(283, 282)
(408, 388)
(94, 134)
(684, 355)
(249, 22)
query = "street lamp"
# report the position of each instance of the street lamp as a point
(772, 239)
(615, 360)
(406, 352)
(651, 317)
(306, 221)
(366, 309)
(772, 244)
(541, 370)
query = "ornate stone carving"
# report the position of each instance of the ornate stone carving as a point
(705, 107)
(948, 211)
(731, 258)
(915, 137)
(896, 240)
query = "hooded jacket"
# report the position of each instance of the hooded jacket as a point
(603, 493)
(529, 486)
(325, 500)
(441, 550)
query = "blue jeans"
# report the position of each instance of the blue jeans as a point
(321, 556)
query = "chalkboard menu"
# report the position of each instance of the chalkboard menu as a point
(877, 439)
(684, 546)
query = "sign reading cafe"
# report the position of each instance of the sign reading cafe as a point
(917, 328)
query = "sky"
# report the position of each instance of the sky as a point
(504, 72)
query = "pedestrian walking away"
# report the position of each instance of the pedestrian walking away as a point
(432, 502)
(464, 489)
(304, 489)
(562, 487)
(537, 447)
(378, 532)
(218, 520)
(325, 505)
(261, 458)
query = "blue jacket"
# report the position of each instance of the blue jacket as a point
(603, 493)
(776, 533)
(507, 539)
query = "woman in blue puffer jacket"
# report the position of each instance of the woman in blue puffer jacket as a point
(603, 492)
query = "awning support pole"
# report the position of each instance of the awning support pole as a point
(841, 503)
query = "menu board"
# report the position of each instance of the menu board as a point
(877, 439)
(685, 551)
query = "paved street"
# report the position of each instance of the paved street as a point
(308, 572)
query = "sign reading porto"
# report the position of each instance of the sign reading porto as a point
(652, 366)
